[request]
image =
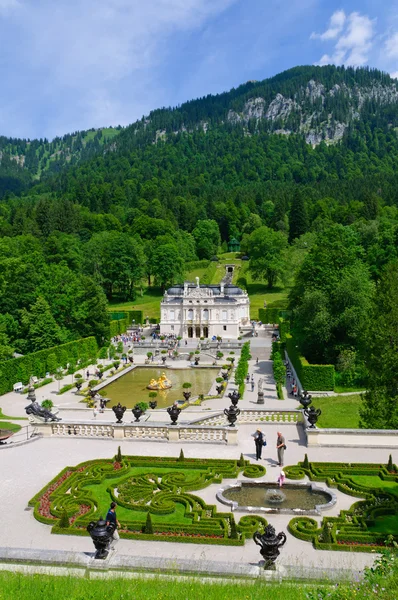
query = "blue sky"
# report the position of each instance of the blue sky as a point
(75, 64)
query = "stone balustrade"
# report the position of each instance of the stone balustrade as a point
(352, 438)
(255, 416)
(140, 431)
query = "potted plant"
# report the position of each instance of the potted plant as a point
(153, 403)
(186, 394)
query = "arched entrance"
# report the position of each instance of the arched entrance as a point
(190, 332)
(197, 332)
(205, 332)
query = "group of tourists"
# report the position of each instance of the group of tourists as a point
(260, 442)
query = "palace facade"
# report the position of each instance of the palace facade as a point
(195, 311)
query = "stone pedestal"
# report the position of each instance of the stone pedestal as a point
(232, 437)
(118, 432)
(260, 397)
(174, 434)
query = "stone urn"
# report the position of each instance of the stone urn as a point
(312, 415)
(232, 414)
(101, 534)
(186, 395)
(234, 397)
(174, 413)
(78, 386)
(119, 411)
(137, 412)
(305, 399)
(224, 375)
(92, 393)
(269, 544)
(164, 358)
(219, 389)
(196, 361)
(153, 404)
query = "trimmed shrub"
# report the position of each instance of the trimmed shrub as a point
(118, 456)
(66, 388)
(20, 369)
(312, 377)
(181, 458)
(63, 523)
(148, 525)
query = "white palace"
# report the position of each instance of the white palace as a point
(194, 311)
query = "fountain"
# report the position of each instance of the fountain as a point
(161, 384)
(260, 497)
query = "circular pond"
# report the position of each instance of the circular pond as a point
(296, 498)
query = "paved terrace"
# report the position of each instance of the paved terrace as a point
(26, 469)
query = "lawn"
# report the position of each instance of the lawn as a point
(340, 412)
(149, 303)
(6, 417)
(9, 426)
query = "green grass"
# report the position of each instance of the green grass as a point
(2, 417)
(376, 482)
(190, 275)
(15, 586)
(387, 524)
(10, 426)
(258, 292)
(149, 303)
(340, 412)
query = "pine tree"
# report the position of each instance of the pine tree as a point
(64, 520)
(298, 218)
(181, 458)
(148, 529)
(234, 530)
(241, 461)
(118, 456)
(306, 462)
(390, 465)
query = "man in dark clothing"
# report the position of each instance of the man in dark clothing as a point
(280, 447)
(112, 518)
(259, 442)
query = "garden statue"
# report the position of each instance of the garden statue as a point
(270, 544)
(174, 413)
(101, 534)
(305, 399)
(260, 393)
(161, 384)
(312, 415)
(35, 412)
(119, 411)
(232, 414)
(234, 397)
(137, 412)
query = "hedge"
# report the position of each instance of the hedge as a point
(38, 363)
(200, 523)
(312, 377)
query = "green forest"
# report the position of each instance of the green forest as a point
(97, 216)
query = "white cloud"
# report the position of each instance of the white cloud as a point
(394, 75)
(336, 25)
(355, 40)
(391, 46)
(95, 59)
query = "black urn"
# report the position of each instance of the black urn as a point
(269, 544)
(78, 386)
(234, 397)
(219, 389)
(196, 361)
(224, 375)
(164, 358)
(153, 404)
(305, 399)
(137, 412)
(232, 414)
(312, 415)
(119, 411)
(101, 534)
(174, 413)
(186, 395)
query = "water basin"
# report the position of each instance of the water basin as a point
(294, 498)
(131, 387)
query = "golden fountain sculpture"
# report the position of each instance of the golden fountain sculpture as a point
(160, 384)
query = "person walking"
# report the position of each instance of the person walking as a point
(280, 447)
(112, 518)
(95, 411)
(252, 385)
(259, 441)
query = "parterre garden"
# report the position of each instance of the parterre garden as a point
(157, 486)
(368, 523)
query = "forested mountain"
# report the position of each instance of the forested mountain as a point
(302, 168)
(23, 161)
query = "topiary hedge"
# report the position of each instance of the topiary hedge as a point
(354, 529)
(38, 363)
(312, 377)
(146, 485)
